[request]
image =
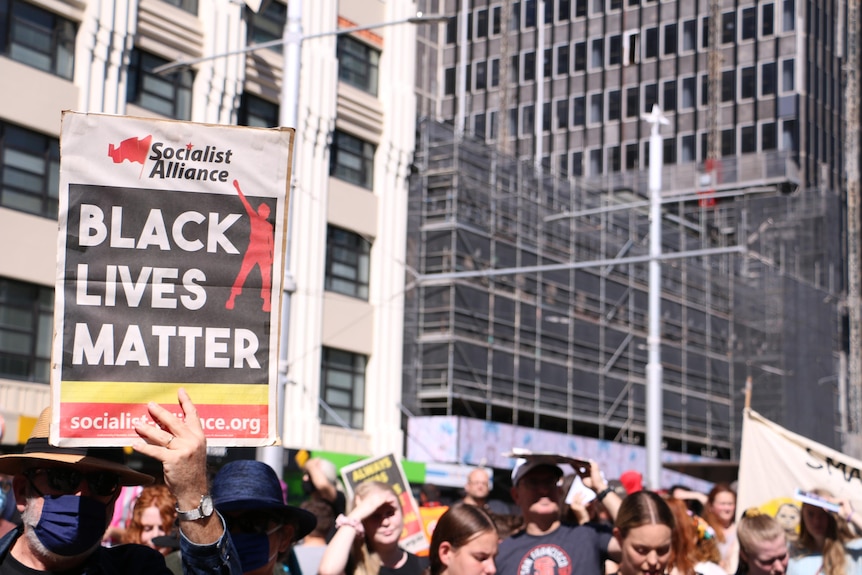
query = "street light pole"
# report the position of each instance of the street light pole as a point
(654, 368)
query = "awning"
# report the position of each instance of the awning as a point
(712, 471)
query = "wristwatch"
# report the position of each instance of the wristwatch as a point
(204, 509)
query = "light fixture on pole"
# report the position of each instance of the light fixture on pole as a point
(654, 368)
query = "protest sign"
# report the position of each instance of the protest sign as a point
(387, 469)
(170, 261)
(775, 463)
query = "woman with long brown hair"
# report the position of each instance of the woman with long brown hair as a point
(720, 513)
(464, 542)
(644, 529)
(826, 543)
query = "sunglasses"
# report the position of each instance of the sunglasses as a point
(66, 481)
(254, 523)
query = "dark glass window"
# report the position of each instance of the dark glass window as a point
(748, 139)
(482, 23)
(670, 95)
(689, 35)
(347, 263)
(788, 16)
(577, 163)
(767, 78)
(563, 59)
(767, 26)
(615, 158)
(580, 56)
(481, 76)
(670, 39)
(615, 105)
(358, 64)
(579, 114)
(352, 160)
(668, 151)
(255, 111)
(632, 105)
(768, 139)
(728, 85)
(728, 27)
(650, 97)
(748, 80)
(598, 53)
(449, 81)
(749, 23)
(342, 382)
(29, 171)
(728, 142)
(580, 8)
(689, 93)
(631, 156)
(529, 66)
(267, 24)
(26, 330)
(615, 50)
(564, 11)
(562, 113)
(479, 125)
(495, 72)
(496, 19)
(38, 38)
(651, 48)
(166, 94)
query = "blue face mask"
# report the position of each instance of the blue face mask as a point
(70, 525)
(253, 549)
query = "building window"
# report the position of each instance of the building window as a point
(347, 263)
(452, 30)
(615, 50)
(342, 388)
(598, 53)
(767, 79)
(749, 23)
(650, 97)
(767, 136)
(577, 163)
(728, 27)
(190, 6)
(614, 158)
(564, 12)
(728, 142)
(789, 137)
(579, 115)
(563, 59)
(596, 162)
(528, 120)
(38, 38)
(448, 81)
(728, 85)
(748, 139)
(670, 39)
(256, 112)
(29, 171)
(166, 94)
(479, 125)
(529, 66)
(615, 105)
(668, 151)
(631, 156)
(358, 64)
(689, 93)
(267, 24)
(352, 160)
(689, 35)
(788, 16)
(632, 96)
(670, 95)
(481, 80)
(482, 23)
(687, 152)
(26, 328)
(651, 39)
(596, 108)
(580, 56)
(767, 24)
(748, 81)
(563, 113)
(580, 8)
(787, 75)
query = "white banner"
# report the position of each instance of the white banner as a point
(775, 462)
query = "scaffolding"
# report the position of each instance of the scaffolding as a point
(565, 349)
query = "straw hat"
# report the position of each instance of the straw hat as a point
(38, 452)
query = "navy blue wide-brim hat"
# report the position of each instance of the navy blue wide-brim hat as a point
(250, 485)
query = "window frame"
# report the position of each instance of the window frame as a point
(30, 312)
(358, 64)
(355, 374)
(365, 155)
(347, 250)
(139, 74)
(59, 57)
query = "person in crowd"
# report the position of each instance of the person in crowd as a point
(310, 550)
(787, 516)
(464, 542)
(366, 539)
(263, 527)
(545, 539)
(826, 543)
(573, 509)
(320, 481)
(8, 519)
(66, 497)
(720, 513)
(153, 516)
(477, 491)
(643, 529)
(694, 500)
(762, 545)
(692, 551)
(123, 507)
(632, 481)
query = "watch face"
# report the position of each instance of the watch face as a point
(206, 506)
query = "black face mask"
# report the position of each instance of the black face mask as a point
(308, 487)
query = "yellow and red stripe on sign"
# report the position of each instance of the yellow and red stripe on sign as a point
(113, 409)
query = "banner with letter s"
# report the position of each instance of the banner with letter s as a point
(170, 263)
